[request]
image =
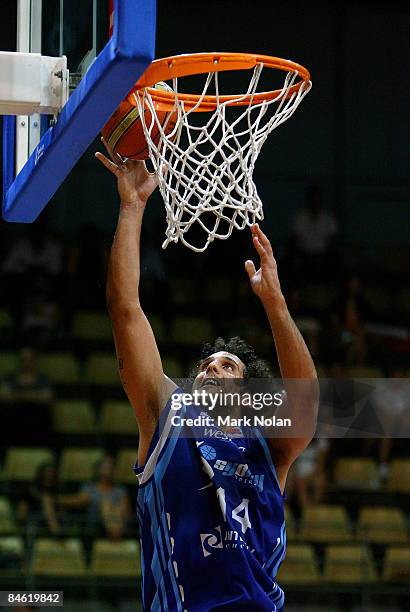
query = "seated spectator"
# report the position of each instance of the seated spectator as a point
(308, 475)
(312, 252)
(41, 314)
(349, 313)
(37, 509)
(37, 250)
(107, 506)
(26, 395)
(309, 326)
(391, 401)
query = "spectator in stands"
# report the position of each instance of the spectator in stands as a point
(41, 314)
(28, 395)
(37, 250)
(312, 250)
(107, 505)
(308, 481)
(37, 509)
(307, 324)
(392, 403)
(349, 313)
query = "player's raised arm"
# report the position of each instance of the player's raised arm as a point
(295, 361)
(139, 361)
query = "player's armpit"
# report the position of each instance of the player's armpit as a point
(284, 451)
(139, 366)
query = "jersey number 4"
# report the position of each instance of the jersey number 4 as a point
(240, 513)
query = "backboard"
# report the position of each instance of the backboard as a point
(107, 45)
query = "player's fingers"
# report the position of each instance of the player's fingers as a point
(263, 238)
(116, 157)
(260, 248)
(250, 268)
(153, 174)
(110, 165)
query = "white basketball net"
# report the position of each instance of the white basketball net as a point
(205, 171)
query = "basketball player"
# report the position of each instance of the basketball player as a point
(210, 509)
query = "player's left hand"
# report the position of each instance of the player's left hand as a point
(264, 281)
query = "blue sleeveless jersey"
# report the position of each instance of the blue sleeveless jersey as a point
(211, 520)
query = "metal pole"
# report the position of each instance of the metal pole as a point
(23, 46)
(61, 40)
(35, 47)
(95, 28)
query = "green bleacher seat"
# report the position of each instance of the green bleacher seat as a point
(6, 322)
(355, 473)
(118, 418)
(73, 417)
(116, 559)
(291, 533)
(7, 524)
(382, 525)
(124, 463)
(192, 331)
(325, 523)
(8, 363)
(12, 555)
(158, 327)
(58, 557)
(351, 564)
(397, 564)
(94, 326)
(61, 368)
(90, 605)
(299, 566)
(78, 464)
(364, 372)
(22, 463)
(399, 476)
(173, 367)
(102, 369)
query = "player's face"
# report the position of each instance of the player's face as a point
(221, 365)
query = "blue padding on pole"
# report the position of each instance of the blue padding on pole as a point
(9, 149)
(108, 80)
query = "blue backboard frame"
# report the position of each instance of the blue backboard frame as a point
(108, 80)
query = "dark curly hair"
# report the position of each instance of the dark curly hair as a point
(255, 367)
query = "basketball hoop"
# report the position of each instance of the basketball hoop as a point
(205, 163)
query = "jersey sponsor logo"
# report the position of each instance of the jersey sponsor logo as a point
(208, 452)
(211, 540)
(240, 471)
(215, 433)
(222, 538)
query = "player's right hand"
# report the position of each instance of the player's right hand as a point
(135, 184)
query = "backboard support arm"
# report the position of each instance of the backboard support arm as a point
(119, 65)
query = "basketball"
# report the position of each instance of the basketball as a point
(124, 132)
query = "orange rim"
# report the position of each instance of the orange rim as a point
(201, 63)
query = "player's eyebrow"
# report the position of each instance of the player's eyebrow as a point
(226, 357)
